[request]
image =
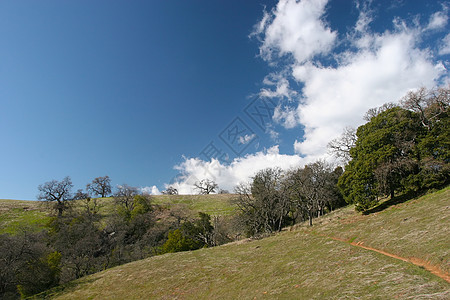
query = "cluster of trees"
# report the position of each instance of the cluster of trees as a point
(59, 193)
(80, 239)
(275, 198)
(401, 149)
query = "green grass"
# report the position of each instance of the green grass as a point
(299, 264)
(17, 214)
(416, 228)
(215, 205)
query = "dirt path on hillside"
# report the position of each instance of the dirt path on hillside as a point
(414, 260)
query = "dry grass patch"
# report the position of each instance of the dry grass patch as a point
(299, 264)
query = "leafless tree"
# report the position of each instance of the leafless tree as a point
(312, 188)
(373, 112)
(124, 196)
(340, 147)
(100, 186)
(170, 191)
(206, 186)
(80, 195)
(58, 192)
(264, 204)
(428, 104)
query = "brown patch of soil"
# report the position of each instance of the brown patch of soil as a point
(414, 260)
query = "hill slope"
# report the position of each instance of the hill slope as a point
(16, 214)
(318, 262)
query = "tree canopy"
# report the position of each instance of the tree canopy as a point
(400, 149)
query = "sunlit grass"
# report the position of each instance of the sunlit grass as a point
(15, 215)
(299, 264)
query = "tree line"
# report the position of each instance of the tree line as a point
(402, 149)
(79, 239)
(275, 198)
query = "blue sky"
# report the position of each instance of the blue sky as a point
(169, 92)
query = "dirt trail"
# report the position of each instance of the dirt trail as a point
(414, 260)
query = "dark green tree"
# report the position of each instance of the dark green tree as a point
(384, 155)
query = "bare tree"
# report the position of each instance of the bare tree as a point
(206, 186)
(124, 196)
(312, 188)
(373, 112)
(428, 104)
(80, 195)
(264, 204)
(170, 191)
(100, 186)
(341, 146)
(58, 192)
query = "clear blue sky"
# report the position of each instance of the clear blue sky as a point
(131, 89)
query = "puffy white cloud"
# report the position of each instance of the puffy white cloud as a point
(286, 116)
(379, 68)
(281, 87)
(150, 190)
(438, 20)
(295, 28)
(239, 170)
(339, 97)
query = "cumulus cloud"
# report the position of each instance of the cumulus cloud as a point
(295, 28)
(227, 176)
(338, 84)
(380, 67)
(286, 116)
(438, 20)
(150, 190)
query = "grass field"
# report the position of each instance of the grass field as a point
(16, 214)
(300, 263)
(215, 205)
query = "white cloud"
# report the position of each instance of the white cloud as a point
(339, 97)
(295, 28)
(281, 84)
(246, 138)
(381, 67)
(150, 190)
(378, 68)
(274, 135)
(438, 20)
(445, 46)
(228, 176)
(286, 116)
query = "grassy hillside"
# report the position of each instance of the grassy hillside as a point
(303, 263)
(216, 205)
(15, 214)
